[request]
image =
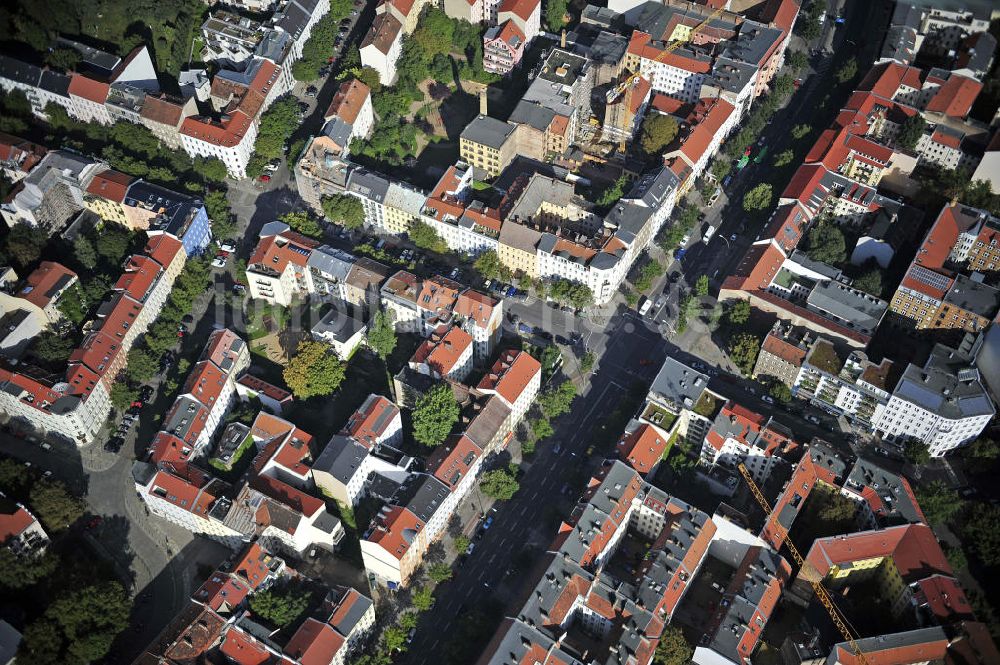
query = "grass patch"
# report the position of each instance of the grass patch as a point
(219, 464)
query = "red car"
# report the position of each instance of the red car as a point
(137, 404)
(265, 178)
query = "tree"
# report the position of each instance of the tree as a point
(738, 313)
(435, 33)
(742, 350)
(394, 638)
(556, 401)
(541, 428)
(19, 572)
(90, 619)
(499, 484)
(837, 512)
(555, 14)
(84, 252)
(304, 223)
(425, 237)
(910, 131)
(984, 449)
(587, 361)
(314, 370)
(51, 347)
(800, 130)
(490, 266)
(673, 648)
(612, 193)
(24, 244)
(780, 392)
(281, 605)
(382, 335)
(276, 126)
(123, 394)
(422, 599)
(571, 293)
(796, 60)
(439, 572)
(54, 505)
(784, 157)
(65, 59)
(211, 169)
(656, 133)
(938, 502)
(344, 210)
(848, 70)
(462, 543)
(826, 243)
(113, 242)
(41, 643)
(916, 452)
(982, 531)
(435, 413)
(701, 286)
(14, 482)
(758, 198)
(870, 281)
(809, 29)
(142, 365)
(217, 207)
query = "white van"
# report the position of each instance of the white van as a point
(646, 305)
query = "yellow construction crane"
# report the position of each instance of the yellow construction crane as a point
(814, 580)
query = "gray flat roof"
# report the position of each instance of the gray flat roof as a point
(488, 131)
(848, 306)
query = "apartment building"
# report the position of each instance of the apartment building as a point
(943, 404)
(278, 270)
(76, 407)
(741, 436)
(350, 110)
(382, 45)
(105, 196)
(782, 353)
(503, 48)
(488, 145)
(366, 445)
(39, 293)
(445, 354)
(525, 14)
(944, 287)
(230, 37)
(52, 192)
(515, 378)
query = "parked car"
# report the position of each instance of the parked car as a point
(311, 91)
(227, 247)
(218, 262)
(488, 523)
(265, 178)
(768, 399)
(470, 548)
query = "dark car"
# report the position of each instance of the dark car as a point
(561, 340)
(675, 277)
(546, 335)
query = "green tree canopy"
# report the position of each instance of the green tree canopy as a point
(571, 293)
(314, 370)
(673, 648)
(848, 70)
(490, 266)
(422, 599)
(742, 350)
(556, 401)
(499, 484)
(53, 348)
(701, 286)
(758, 198)
(938, 502)
(142, 364)
(796, 60)
(780, 392)
(916, 452)
(435, 413)
(738, 313)
(784, 157)
(54, 505)
(345, 210)
(870, 281)
(910, 131)
(439, 572)
(304, 223)
(825, 242)
(425, 237)
(217, 207)
(24, 244)
(84, 252)
(280, 605)
(113, 242)
(382, 335)
(555, 14)
(80, 626)
(19, 572)
(981, 529)
(801, 130)
(123, 394)
(656, 133)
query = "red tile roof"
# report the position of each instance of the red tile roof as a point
(522, 8)
(118, 321)
(642, 448)
(956, 96)
(14, 519)
(395, 530)
(348, 101)
(452, 461)
(88, 88)
(314, 643)
(97, 351)
(885, 79)
(511, 374)
(947, 139)
(243, 649)
(139, 277)
(110, 184)
(670, 105)
(912, 547)
(205, 383)
(44, 283)
(162, 110)
(368, 424)
(182, 493)
(276, 255)
(261, 386)
(252, 566)
(227, 133)
(163, 248)
(24, 154)
(442, 351)
(706, 119)
(168, 448)
(284, 493)
(788, 352)
(476, 306)
(383, 34)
